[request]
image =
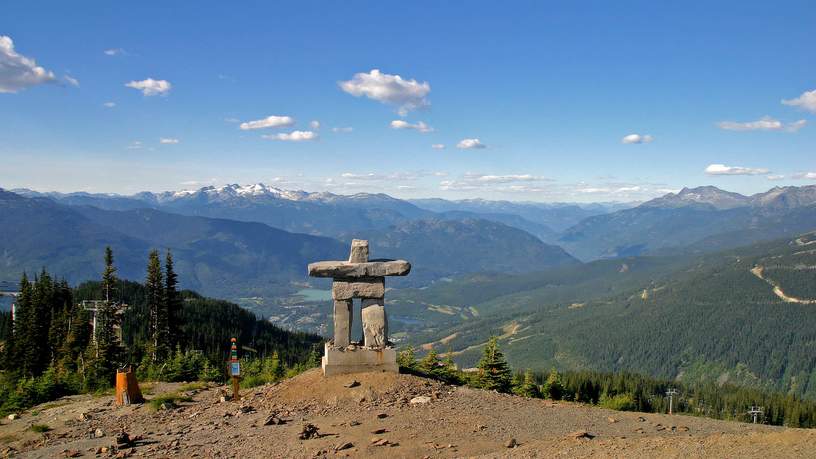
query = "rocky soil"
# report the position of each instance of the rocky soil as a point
(378, 415)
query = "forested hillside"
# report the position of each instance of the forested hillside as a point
(711, 318)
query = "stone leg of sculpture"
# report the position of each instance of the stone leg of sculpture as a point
(342, 322)
(375, 323)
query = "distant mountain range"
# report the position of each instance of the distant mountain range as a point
(704, 218)
(235, 258)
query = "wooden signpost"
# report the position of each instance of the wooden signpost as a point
(235, 370)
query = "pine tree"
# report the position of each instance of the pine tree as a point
(173, 302)
(108, 351)
(406, 359)
(528, 386)
(430, 363)
(553, 387)
(22, 337)
(157, 306)
(494, 372)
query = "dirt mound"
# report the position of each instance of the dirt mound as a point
(378, 415)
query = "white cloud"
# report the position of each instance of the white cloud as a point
(438, 146)
(806, 101)
(151, 87)
(467, 144)
(168, 141)
(268, 122)
(796, 125)
(419, 126)
(637, 138)
(109, 104)
(135, 145)
(504, 178)
(114, 51)
(315, 124)
(804, 176)
(294, 136)
(18, 72)
(722, 169)
(766, 123)
(775, 177)
(407, 95)
(342, 129)
(72, 81)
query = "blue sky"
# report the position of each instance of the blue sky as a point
(549, 89)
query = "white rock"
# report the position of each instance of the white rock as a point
(420, 400)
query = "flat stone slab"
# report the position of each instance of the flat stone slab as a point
(348, 270)
(361, 288)
(339, 362)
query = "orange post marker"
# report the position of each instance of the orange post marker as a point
(127, 388)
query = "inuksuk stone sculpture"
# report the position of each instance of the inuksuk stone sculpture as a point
(360, 278)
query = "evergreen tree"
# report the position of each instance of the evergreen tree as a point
(22, 336)
(108, 352)
(494, 372)
(406, 359)
(173, 303)
(552, 387)
(430, 364)
(528, 386)
(157, 307)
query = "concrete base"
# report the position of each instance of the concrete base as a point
(361, 360)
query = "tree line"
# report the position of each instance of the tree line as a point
(618, 391)
(67, 340)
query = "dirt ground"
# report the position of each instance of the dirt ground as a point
(376, 418)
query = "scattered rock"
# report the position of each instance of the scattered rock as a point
(641, 419)
(379, 431)
(273, 420)
(581, 435)
(71, 453)
(246, 409)
(343, 446)
(382, 442)
(639, 430)
(99, 433)
(611, 420)
(511, 443)
(165, 406)
(382, 415)
(420, 400)
(308, 432)
(12, 416)
(123, 439)
(83, 417)
(353, 383)
(682, 429)
(354, 423)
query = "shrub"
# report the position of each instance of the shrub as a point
(620, 402)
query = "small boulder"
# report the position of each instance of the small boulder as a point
(343, 446)
(379, 431)
(12, 416)
(351, 384)
(581, 435)
(511, 443)
(99, 433)
(382, 415)
(611, 420)
(309, 431)
(420, 400)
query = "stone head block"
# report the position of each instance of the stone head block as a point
(359, 251)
